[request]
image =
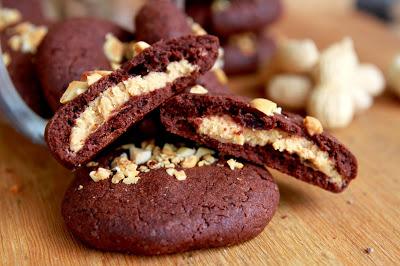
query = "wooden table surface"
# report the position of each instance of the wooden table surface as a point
(311, 226)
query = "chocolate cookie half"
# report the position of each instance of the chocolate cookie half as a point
(259, 133)
(164, 212)
(110, 106)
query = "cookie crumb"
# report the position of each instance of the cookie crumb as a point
(185, 152)
(80, 187)
(117, 177)
(144, 169)
(180, 175)
(196, 28)
(369, 250)
(115, 66)
(170, 171)
(198, 89)
(265, 106)
(203, 151)
(284, 216)
(139, 156)
(8, 17)
(350, 201)
(92, 77)
(15, 189)
(313, 125)
(113, 48)
(169, 149)
(190, 162)
(131, 180)
(75, 88)
(92, 164)
(6, 59)
(100, 174)
(233, 164)
(27, 37)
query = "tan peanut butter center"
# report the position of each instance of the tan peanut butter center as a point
(224, 129)
(103, 107)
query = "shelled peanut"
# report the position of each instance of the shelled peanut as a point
(330, 85)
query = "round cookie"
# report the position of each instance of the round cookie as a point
(224, 18)
(242, 57)
(70, 48)
(242, 16)
(22, 71)
(213, 207)
(160, 19)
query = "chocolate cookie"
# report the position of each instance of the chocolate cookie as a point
(225, 18)
(109, 107)
(21, 67)
(70, 48)
(160, 19)
(246, 53)
(162, 213)
(259, 133)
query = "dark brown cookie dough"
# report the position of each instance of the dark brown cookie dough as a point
(22, 71)
(89, 123)
(247, 53)
(280, 141)
(70, 48)
(160, 19)
(214, 207)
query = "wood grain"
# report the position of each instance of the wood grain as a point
(311, 226)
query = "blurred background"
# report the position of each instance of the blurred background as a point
(269, 58)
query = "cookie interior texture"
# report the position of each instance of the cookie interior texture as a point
(214, 206)
(84, 126)
(280, 141)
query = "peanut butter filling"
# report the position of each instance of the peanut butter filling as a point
(103, 107)
(224, 129)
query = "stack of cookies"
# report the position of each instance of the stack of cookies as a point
(241, 26)
(166, 158)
